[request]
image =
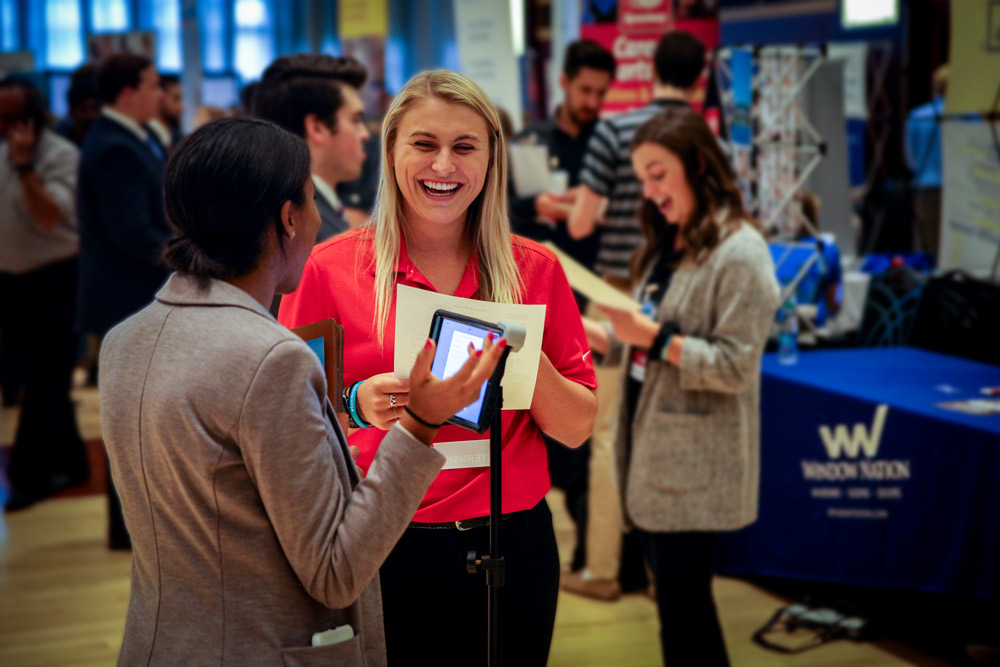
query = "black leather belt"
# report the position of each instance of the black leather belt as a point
(464, 524)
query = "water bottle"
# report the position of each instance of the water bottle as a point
(788, 333)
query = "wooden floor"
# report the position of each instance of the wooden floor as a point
(63, 597)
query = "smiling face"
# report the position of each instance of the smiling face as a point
(664, 182)
(440, 159)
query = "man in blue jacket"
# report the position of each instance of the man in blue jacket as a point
(123, 228)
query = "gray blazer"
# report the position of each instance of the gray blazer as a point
(251, 526)
(694, 459)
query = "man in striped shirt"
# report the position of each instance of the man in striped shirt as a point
(607, 175)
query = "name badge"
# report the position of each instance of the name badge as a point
(464, 453)
(637, 369)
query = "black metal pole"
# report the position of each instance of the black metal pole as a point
(493, 563)
(495, 575)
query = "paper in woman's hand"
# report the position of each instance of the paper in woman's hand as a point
(415, 309)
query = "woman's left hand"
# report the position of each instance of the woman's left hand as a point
(631, 326)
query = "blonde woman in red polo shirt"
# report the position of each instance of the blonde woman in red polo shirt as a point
(441, 224)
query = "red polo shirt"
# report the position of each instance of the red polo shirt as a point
(339, 282)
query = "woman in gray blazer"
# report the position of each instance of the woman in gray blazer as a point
(687, 444)
(251, 527)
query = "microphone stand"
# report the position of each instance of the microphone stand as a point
(493, 564)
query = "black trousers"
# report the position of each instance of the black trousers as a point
(682, 566)
(38, 309)
(436, 612)
(11, 370)
(570, 471)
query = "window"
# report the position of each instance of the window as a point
(63, 35)
(58, 87)
(254, 38)
(212, 20)
(163, 17)
(220, 91)
(8, 26)
(109, 16)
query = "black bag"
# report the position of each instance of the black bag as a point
(890, 308)
(959, 315)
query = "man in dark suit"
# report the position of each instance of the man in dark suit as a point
(316, 97)
(123, 228)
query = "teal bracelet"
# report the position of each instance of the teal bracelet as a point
(353, 407)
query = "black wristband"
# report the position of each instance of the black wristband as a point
(425, 423)
(345, 400)
(24, 168)
(667, 329)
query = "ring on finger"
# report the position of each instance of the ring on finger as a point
(392, 401)
(395, 415)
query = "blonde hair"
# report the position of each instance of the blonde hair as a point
(486, 220)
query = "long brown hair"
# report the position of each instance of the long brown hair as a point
(683, 132)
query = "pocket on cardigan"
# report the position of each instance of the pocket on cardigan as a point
(346, 653)
(673, 454)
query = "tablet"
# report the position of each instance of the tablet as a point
(452, 334)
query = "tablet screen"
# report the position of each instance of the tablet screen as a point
(453, 351)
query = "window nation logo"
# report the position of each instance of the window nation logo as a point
(852, 454)
(851, 444)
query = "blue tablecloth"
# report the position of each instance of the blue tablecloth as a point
(865, 481)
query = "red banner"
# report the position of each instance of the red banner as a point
(633, 86)
(644, 17)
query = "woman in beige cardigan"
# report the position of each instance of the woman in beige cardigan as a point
(687, 447)
(251, 527)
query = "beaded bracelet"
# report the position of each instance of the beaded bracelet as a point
(352, 408)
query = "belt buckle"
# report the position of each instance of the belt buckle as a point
(458, 524)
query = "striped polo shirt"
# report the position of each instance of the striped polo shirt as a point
(607, 170)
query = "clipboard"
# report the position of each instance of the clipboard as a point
(326, 339)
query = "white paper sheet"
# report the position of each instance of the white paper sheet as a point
(415, 309)
(588, 284)
(529, 166)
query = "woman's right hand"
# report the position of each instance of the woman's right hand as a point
(434, 401)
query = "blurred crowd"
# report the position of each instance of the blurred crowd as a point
(644, 199)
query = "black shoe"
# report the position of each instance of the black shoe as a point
(67, 480)
(983, 654)
(19, 501)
